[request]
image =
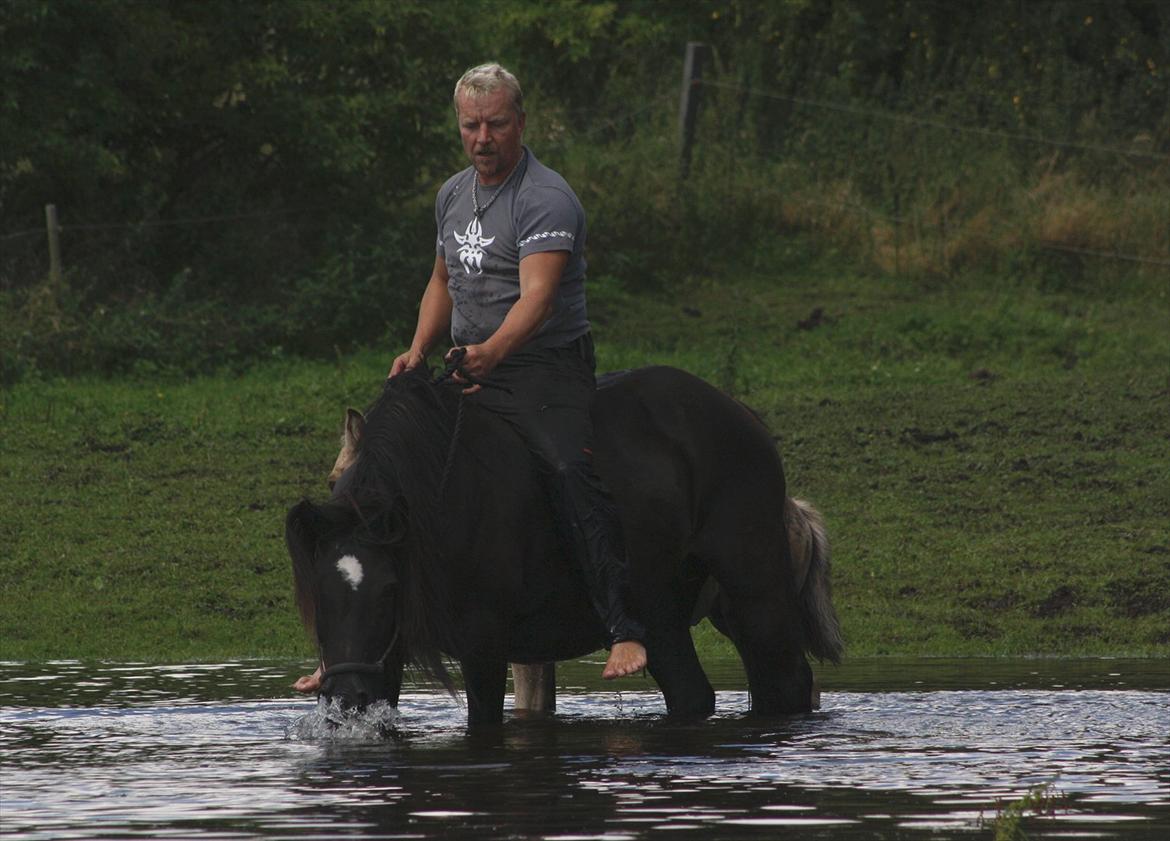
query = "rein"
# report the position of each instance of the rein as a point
(455, 357)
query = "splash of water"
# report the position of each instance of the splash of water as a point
(328, 721)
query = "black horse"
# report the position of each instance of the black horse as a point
(439, 542)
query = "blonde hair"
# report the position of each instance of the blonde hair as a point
(486, 78)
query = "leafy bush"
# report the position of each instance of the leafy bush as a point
(236, 179)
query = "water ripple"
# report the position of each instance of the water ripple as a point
(158, 758)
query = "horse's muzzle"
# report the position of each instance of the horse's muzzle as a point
(353, 686)
(349, 694)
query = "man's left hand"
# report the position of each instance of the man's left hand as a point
(478, 361)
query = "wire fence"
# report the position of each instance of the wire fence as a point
(653, 110)
(1104, 255)
(859, 115)
(190, 221)
(941, 125)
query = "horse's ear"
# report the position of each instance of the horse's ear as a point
(351, 436)
(355, 425)
(302, 528)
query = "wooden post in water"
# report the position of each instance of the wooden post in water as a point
(54, 244)
(535, 688)
(689, 102)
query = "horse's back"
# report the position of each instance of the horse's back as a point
(682, 457)
(655, 413)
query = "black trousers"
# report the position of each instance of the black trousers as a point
(548, 398)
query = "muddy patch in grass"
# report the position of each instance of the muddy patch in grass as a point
(1059, 602)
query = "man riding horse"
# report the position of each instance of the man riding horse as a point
(508, 286)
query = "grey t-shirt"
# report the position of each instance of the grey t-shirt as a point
(537, 211)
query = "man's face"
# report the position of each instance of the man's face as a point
(492, 132)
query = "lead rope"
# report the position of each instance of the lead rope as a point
(458, 428)
(454, 358)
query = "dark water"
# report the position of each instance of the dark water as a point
(916, 749)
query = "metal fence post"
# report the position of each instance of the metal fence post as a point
(689, 102)
(54, 244)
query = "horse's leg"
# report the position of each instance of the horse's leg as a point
(484, 679)
(392, 675)
(766, 631)
(675, 666)
(758, 607)
(535, 686)
(670, 651)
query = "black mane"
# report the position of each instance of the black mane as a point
(389, 501)
(404, 445)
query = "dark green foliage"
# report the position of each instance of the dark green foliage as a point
(226, 173)
(237, 179)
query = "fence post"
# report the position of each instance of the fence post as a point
(54, 244)
(689, 102)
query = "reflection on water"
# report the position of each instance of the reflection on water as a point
(898, 750)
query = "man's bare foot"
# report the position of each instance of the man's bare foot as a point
(309, 683)
(625, 658)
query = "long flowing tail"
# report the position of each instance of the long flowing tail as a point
(809, 546)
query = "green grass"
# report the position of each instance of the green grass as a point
(992, 459)
(1041, 802)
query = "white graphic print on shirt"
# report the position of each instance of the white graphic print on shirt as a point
(471, 247)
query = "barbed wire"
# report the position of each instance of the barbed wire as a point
(936, 124)
(605, 123)
(191, 220)
(1110, 255)
(861, 210)
(850, 207)
(31, 232)
(163, 223)
(613, 120)
(615, 117)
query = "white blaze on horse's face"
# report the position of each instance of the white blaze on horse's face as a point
(351, 570)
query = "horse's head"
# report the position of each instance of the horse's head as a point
(346, 589)
(371, 592)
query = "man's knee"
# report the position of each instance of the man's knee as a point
(571, 479)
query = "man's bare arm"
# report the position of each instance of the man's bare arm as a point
(540, 278)
(434, 320)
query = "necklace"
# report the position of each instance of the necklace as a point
(480, 211)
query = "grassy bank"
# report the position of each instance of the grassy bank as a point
(991, 458)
